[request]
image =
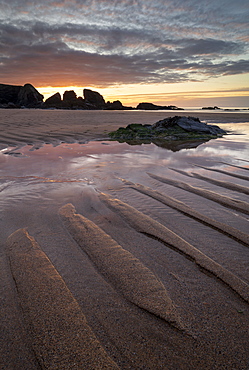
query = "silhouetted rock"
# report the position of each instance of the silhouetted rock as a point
(54, 100)
(116, 105)
(151, 106)
(211, 108)
(94, 99)
(29, 97)
(9, 94)
(69, 96)
(70, 100)
(17, 96)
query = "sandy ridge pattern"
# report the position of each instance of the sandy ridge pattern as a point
(211, 195)
(224, 184)
(186, 210)
(236, 166)
(125, 272)
(62, 339)
(238, 176)
(146, 225)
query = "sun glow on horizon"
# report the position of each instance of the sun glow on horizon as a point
(223, 91)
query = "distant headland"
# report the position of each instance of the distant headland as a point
(27, 96)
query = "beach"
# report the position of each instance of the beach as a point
(118, 256)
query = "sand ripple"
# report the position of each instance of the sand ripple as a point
(146, 225)
(61, 337)
(125, 272)
(224, 184)
(211, 195)
(237, 175)
(186, 210)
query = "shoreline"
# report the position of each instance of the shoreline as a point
(34, 127)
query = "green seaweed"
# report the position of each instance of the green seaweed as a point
(146, 132)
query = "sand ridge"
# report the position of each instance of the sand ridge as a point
(146, 225)
(120, 267)
(222, 199)
(62, 339)
(180, 206)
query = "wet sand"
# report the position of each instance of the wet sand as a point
(55, 126)
(116, 256)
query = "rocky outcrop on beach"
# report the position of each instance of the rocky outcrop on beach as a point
(116, 105)
(54, 100)
(169, 129)
(189, 124)
(211, 108)
(94, 99)
(151, 106)
(69, 96)
(69, 101)
(12, 96)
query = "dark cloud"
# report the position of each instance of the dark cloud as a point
(211, 47)
(127, 41)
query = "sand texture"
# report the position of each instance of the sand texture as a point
(125, 272)
(19, 127)
(152, 228)
(61, 337)
(225, 201)
(117, 256)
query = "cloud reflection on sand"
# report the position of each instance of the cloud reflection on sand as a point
(64, 159)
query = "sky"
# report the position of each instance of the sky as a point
(187, 53)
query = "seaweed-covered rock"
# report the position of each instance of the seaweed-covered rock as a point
(172, 128)
(189, 124)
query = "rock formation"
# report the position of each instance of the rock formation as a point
(151, 106)
(189, 125)
(168, 130)
(69, 96)
(12, 96)
(29, 97)
(211, 108)
(69, 101)
(116, 105)
(94, 99)
(17, 96)
(54, 100)
(9, 94)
